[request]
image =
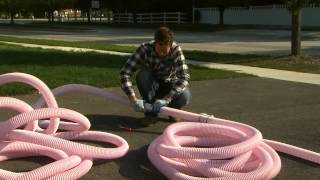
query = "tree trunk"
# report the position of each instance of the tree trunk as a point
(134, 14)
(11, 17)
(52, 17)
(75, 14)
(49, 16)
(221, 16)
(296, 31)
(88, 15)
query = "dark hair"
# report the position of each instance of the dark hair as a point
(163, 34)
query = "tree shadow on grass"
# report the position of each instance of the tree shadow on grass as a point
(36, 56)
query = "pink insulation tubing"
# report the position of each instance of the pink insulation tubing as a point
(85, 89)
(41, 87)
(85, 151)
(56, 167)
(214, 148)
(20, 106)
(51, 169)
(24, 118)
(251, 157)
(11, 150)
(73, 160)
(75, 173)
(203, 148)
(82, 89)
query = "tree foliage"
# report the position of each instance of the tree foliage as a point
(11, 7)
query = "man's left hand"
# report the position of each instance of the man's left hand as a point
(158, 104)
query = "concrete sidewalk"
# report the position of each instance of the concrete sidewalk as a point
(264, 72)
(260, 72)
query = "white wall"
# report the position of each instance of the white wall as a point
(259, 15)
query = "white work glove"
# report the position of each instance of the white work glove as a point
(158, 104)
(138, 105)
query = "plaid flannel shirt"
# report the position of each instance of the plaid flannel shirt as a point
(170, 69)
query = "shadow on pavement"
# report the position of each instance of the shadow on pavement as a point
(136, 166)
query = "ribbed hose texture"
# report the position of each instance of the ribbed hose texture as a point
(203, 147)
(72, 160)
(206, 147)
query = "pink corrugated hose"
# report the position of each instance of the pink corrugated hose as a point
(206, 147)
(21, 136)
(201, 147)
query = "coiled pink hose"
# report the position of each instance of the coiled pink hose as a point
(204, 148)
(215, 148)
(41, 87)
(73, 160)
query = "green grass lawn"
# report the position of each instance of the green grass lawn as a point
(301, 64)
(80, 44)
(58, 68)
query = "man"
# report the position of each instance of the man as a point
(163, 78)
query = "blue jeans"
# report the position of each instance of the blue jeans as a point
(152, 89)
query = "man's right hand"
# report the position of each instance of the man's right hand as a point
(137, 105)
